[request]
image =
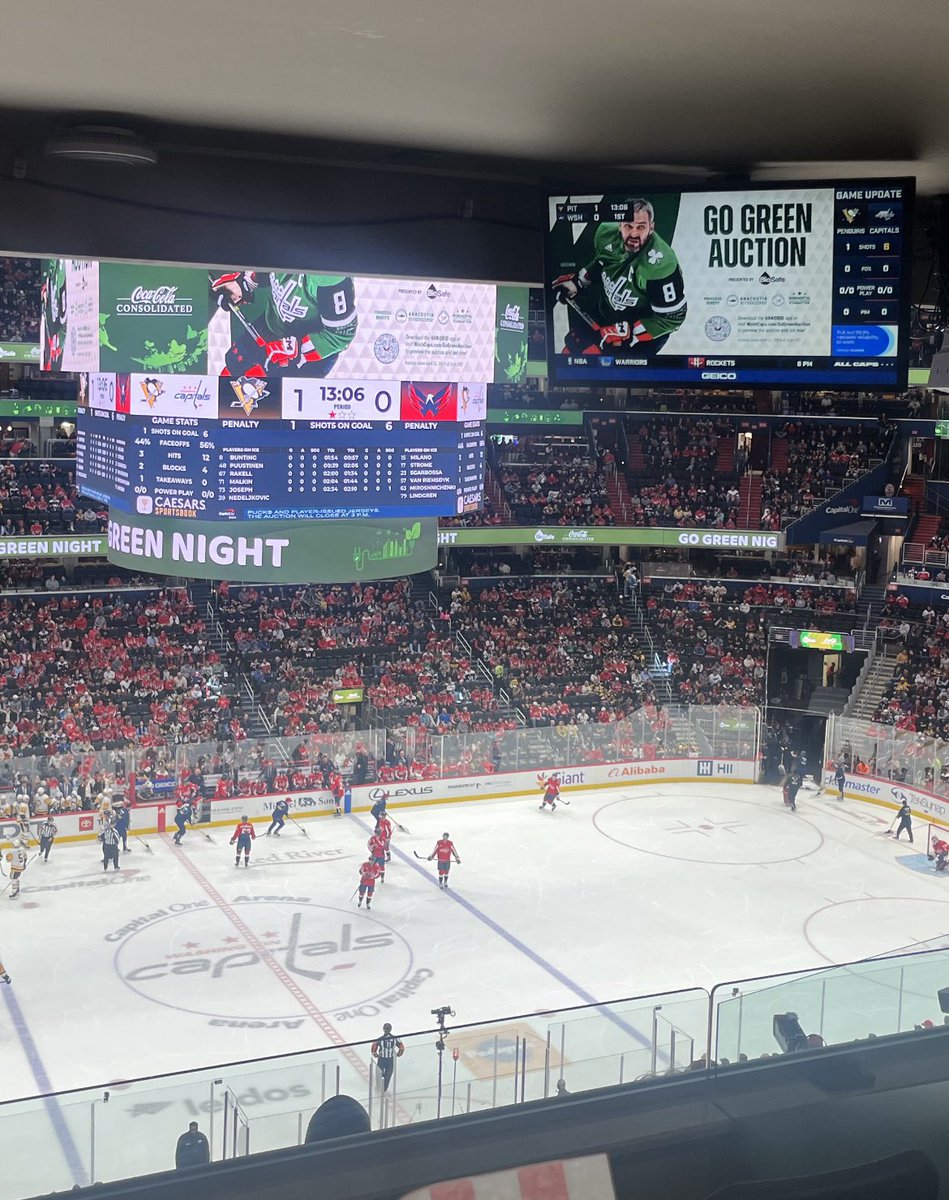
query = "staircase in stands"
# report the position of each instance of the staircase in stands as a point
(870, 605)
(618, 492)
(247, 707)
(725, 456)
(926, 525)
(749, 506)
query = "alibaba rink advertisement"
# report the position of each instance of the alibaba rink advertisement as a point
(158, 817)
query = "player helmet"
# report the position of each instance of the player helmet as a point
(444, 835)
(243, 816)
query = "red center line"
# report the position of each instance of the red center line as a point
(282, 974)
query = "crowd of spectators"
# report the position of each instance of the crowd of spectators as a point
(686, 505)
(916, 699)
(677, 444)
(108, 672)
(481, 519)
(563, 649)
(716, 653)
(820, 461)
(695, 593)
(20, 300)
(39, 497)
(555, 483)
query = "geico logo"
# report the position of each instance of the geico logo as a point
(214, 963)
(719, 375)
(628, 771)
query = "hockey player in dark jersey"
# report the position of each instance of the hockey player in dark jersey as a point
(286, 323)
(184, 816)
(631, 296)
(279, 819)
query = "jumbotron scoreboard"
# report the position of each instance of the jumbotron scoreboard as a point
(793, 285)
(271, 449)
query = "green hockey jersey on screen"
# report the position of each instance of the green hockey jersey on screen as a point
(644, 287)
(315, 309)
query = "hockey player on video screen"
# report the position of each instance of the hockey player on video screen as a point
(631, 296)
(286, 323)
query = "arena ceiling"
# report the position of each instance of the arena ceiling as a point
(803, 89)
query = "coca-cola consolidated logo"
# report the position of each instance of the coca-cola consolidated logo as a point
(196, 958)
(159, 301)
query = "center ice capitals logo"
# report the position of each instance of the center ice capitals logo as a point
(249, 393)
(205, 962)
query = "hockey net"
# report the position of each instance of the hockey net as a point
(936, 833)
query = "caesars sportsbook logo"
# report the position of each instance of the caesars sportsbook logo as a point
(196, 959)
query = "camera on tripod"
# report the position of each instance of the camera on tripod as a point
(443, 1012)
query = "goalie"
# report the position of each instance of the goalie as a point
(630, 297)
(285, 323)
(939, 851)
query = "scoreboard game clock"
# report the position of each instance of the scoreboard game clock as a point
(261, 449)
(794, 286)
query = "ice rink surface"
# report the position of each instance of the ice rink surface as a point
(181, 960)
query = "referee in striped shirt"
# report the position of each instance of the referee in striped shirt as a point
(110, 846)
(385, 1050)
(48, 832)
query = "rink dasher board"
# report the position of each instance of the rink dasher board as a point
(884, 793)
(159, 817)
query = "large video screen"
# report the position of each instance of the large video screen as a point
(803, 285)
(236, 395)
(259, 448)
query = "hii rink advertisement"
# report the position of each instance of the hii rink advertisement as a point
(771, 285)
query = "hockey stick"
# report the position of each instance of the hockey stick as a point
(300, 827)
(401, 828)
(235, 309)
(143, 842)
(571, 303)
(422, 857)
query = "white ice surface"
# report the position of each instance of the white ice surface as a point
(623, 893)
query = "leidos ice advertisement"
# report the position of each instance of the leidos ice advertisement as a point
(144, 319)
(794, 286)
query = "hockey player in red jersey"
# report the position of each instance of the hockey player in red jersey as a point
(243, 835)
(444, 852)
(336, 787)
(369, 872)
(551, 792)
(384, 830)
(377, 852)
(940, 852)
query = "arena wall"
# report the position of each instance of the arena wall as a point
(925, 806)
(158, 817)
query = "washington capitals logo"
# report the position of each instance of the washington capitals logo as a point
(428, 405)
